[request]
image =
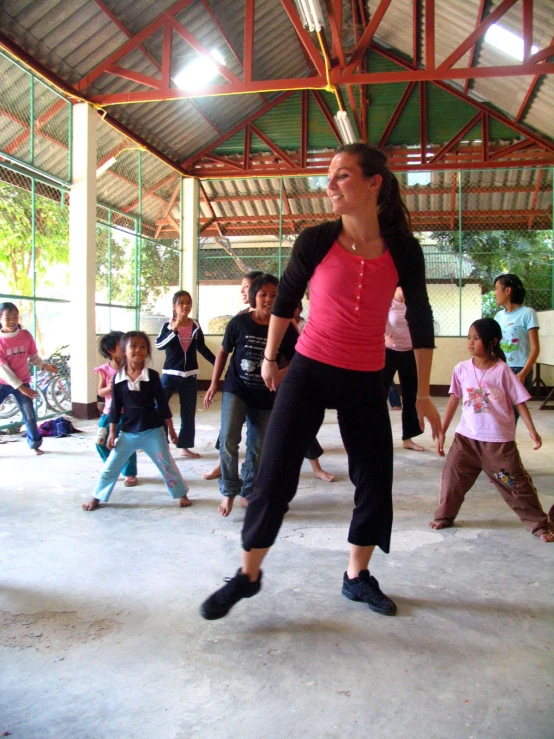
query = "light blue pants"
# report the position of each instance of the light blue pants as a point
(154, 443)
(130, 467)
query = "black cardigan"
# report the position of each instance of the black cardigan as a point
(176, 363)
(309, 250)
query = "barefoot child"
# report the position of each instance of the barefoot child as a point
(17, 351)
(485, 437)
(181, 338)
(245, 395)
(138, 389)
(110, 347)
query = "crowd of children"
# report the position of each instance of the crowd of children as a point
(491, 385)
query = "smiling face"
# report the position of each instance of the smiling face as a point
(182, 307)
(136, 351)
(244, 290)
(9, 321)
(348, 189)
(265, 297)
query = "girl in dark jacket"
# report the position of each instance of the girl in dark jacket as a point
(181, 338)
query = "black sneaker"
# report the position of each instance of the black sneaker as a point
(366, 588)
(220, 603)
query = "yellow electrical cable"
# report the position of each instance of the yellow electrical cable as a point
(329, 87)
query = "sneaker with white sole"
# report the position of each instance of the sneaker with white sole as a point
(238, 587)
(366, 588)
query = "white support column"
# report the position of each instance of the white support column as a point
(190, 226)
(82, 259)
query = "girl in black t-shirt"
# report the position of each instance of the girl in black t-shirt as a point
(245, 395)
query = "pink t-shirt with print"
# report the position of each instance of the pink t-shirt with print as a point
(107, 372)
(488, 397)
(15, 350)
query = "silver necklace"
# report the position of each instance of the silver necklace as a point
(353, 246)
(477, 380)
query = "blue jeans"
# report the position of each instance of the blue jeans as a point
(394, 397)
(234, 412)
(130, 468)
(154, 443)
(26, 406)
(186, 387)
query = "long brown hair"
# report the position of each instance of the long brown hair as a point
(394, 217)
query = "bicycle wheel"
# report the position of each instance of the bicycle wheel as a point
(59, 393)
(9, 407)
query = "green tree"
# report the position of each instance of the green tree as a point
(51, 230)
(525, 253)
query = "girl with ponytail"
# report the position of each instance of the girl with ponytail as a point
(354, 265)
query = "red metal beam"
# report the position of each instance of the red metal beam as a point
(304, 130)
(114, 19)
(480, 31)
(166, 214)
(134, 42)
(223, 160)
(151, 192)
(423, 121)
(129, 74)
(527, 28)
(455, 139)
(335, 21)
(396, 115)
(248, 39)
(416, 31)
(367, 36)
(430, 34)
(327, 113)
(506, 150)
(199, 47)
(166, 56)
(542, 55)
(247, 144)
(485, 136)
(273, 146)
(518, 127)
(480, 15)
(524, 104)
(304, 36)
(236, 129)
(536, 195)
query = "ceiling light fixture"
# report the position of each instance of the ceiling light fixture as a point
(345, 127)
(508, 42)
(311, 14)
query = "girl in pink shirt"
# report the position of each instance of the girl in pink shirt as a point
(17, 350)
(485, 437)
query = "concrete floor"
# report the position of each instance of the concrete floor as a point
(100, 633)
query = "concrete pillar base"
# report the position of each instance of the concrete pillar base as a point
(85, 410)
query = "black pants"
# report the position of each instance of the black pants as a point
(186, 387)
(309, 388)
(404, 363)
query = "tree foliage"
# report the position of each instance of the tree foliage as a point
(525, 253)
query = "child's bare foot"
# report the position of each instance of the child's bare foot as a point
(39, 451)
(214, 474)
(243, 501)
(131, 481)
(409, 444)
(184, 502)
(548, 536)
(91, 505)
(188, 453)
(320, 473)
(439, 524)
(226, 506)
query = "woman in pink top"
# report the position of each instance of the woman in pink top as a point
(353, 265)
(399, 357)
(485, 437)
